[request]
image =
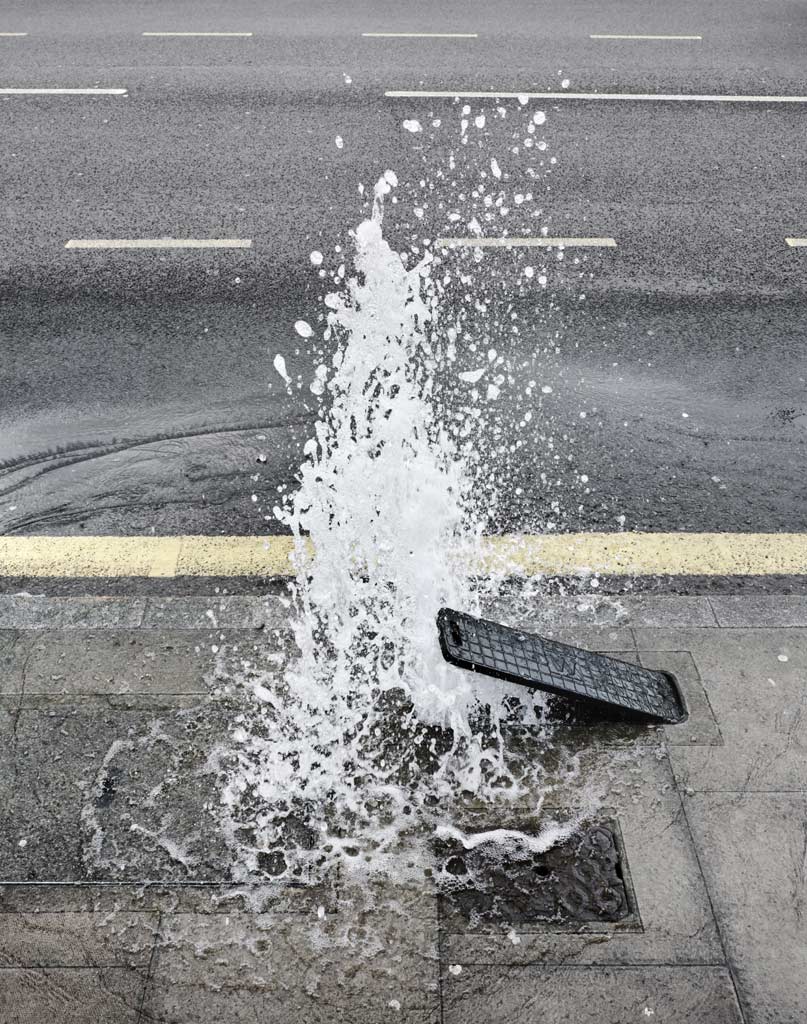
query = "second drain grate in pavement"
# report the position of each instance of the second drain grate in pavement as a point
(580, 882)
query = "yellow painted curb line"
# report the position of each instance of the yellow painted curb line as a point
(649, 554)
(621, 554)
(145, 556)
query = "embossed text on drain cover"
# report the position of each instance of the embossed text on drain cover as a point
(582, 880)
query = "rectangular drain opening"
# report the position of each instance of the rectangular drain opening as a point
(580, 884)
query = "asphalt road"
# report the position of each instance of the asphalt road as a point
(137, 388)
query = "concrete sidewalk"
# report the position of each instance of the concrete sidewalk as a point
(116, 903)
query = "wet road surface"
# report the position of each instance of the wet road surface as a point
(138, 392)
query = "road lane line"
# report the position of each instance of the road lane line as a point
(206, 34)
(61, 92)
(420, 35)
(12, 35)
(642, 97)
(159, 243)
(603, 36)
(796, 243)
(538, 242)
(576, 554)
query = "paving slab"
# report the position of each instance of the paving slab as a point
(148, 899)
(39, 612)
(650, 610)
(96, 794)
(78, 787)
(755, 682)
(753, 851)
(670, 612)
(604, 995)
(71, 939)
(124, 661)
(112, 995)
(127, 700)
(11, 667)
(369, 968)
(231, 612)
(774, 610)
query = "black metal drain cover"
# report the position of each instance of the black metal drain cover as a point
(579, 881)
(519, 657)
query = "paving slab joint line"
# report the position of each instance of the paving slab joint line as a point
(440, 933)
(718, 928)
(149, 969)
(631, 965)
(712, 610)
(714, 613)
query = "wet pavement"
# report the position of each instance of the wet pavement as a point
(121, 900)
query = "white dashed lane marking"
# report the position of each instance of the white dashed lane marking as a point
(225, 35)
(420, 35)
(538, 242)
(159, 243)
(640, 37)
(628, 97)
(61, 92)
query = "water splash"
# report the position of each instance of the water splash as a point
(381, 520)
(373, 734)
(354, 743)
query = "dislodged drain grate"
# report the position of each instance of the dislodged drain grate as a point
(613, 687)
(580, 881)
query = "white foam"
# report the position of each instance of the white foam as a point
(549, 835)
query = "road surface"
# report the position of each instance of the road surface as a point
(138, 389)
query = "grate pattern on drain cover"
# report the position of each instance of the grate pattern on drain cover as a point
(581, 881)
(530, 660)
